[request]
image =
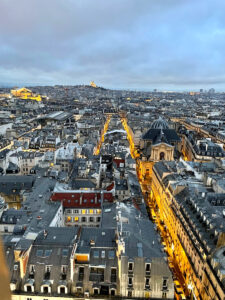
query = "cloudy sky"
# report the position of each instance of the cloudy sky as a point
(135, 44)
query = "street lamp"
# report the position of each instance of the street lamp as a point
(190, 287)
(172, 247)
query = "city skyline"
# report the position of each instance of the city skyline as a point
(130, 45)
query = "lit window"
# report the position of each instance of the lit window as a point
(83, 211)
(76, 219)
(91, 211)
(98, 211)
(68, 219)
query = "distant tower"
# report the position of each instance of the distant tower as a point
(211, 91)
(201, 90)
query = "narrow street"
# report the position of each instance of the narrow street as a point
(154, 215)
(104, 130)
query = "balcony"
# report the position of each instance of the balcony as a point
(130, 272)
(165, 288)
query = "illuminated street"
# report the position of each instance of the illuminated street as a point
(104, 130)
(154, 213)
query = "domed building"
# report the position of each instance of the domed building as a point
(160, 123)
(158, 143)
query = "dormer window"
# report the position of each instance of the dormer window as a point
(65, 252)
(45, 289)
(32, 269)
(64, 269)
(48, 269)
(62, 289)
(39, 252)
(103, 254)
(47, 253)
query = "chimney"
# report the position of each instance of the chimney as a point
(92, 243)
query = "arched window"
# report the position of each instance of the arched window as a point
(62, 289)
(162, 156)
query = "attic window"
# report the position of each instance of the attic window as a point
(96, 254)
(39, 252)
(48, 252)
(111, 254)
(65, 252)
(103, 254)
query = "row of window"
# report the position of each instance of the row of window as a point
(147, 282)
(48, 268)
(131, 267)
(102, 254)
(48, 252)
(83, 200)
(121, 192)
(83, 211)
(70, 219)
(147, 295)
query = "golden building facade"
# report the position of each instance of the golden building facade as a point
(190, 241)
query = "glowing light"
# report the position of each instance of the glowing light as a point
(97, 149)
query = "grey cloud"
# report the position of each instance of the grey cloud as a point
(130, 43)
